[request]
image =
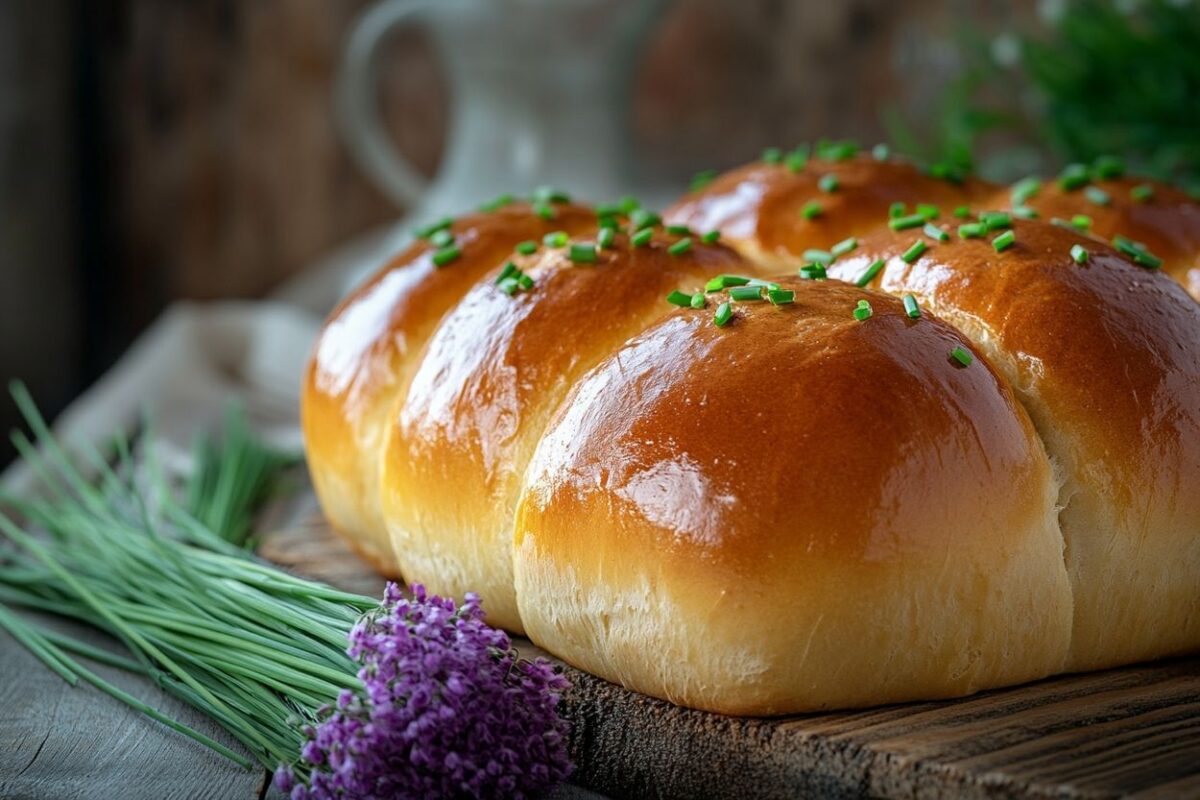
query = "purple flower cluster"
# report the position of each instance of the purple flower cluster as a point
(448, 710)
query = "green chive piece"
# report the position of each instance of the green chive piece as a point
(609, 223)
(1079, 254)
(1106, 167)
(545, 211)
(914, 252)
(447, 254)
(583, 253)
(678, 230)
(781, 297)
(606, 237)
(862, 311)
(772, 155)
(442, 238)
(836, 151)
(943, 170)
(796, 160)
(1025, 212)
(813, 272)
(724, 282)
(510, 285)
(1097, 195)
(1138, 252)
(928, 211)
(870, 273)
(525, 281)
(712, 237)
(761, 282)
(1081, 221)
(935, 233)
(680, 247)
(1024, 190)
(743, 294)
(628, 204)
(724, 315)
(434, 227)
(510, 270)
(702, 179)
(906, 222)
(499, 203)
(828, 183)
(822, 257)
(527, 248)
(642, 237)
(962, 212)
(972, 230)
(1142, 193)
(555, 239)
(910, 306)
(641, 218)
(811, 210)
(681, 299)
(881, 152)
(1004, 241)
(609, 210)
(896, 210)
(995, 220)
(548, 194)
(962, 356)
(843, 247)
(699, 300)
(1073, 177)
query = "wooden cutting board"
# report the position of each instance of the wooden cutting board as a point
(1125, 732)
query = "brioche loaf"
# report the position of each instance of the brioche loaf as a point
(772, 494)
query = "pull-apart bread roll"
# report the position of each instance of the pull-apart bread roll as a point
(1103, 350)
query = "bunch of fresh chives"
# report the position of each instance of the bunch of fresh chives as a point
(256, 649)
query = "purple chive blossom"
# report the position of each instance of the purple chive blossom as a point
(447, 710)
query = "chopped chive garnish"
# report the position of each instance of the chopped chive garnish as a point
(896, 210)
(1024, 190)
(699, 300)
(681, 299)
(1142, 193)
(680, 247)
(555, 239)
(583, 253)
(772, 155)
(928, 211)
(1079, 254)
(712, 237)
(822, 257)
(609, 223)
(843, 247)
(761, 282)
(702, 179)
(434, 227)
(510, 270)
(1108, 167)
(836, 151)
(910, 306)
(1138, 252)
(609, 210)
(527, 248)
(828, 183)
(744, 294)
(723, 315)
(628, 204)
(906, 222)
(548, 194)
(509, 285)
(679, 230)
(606, 237)
(1004, 241)
(1097, 195)
(862, 311)
(962, 212)
(497, 204)
(1073, 177)
(962, 356)
(811, 210)
(914, 252)
(995, 220)
(881, 152)
(796, 160)
(545, 211)
(525, 281)
(641, 218)
(1081, 221)
(1025, 212)
(936, 233)
(972, 230)
(869, 274)
(447, 254)
(813, 272)
(724, 282)
(781, 297)
(642, 237)
(442, 238)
